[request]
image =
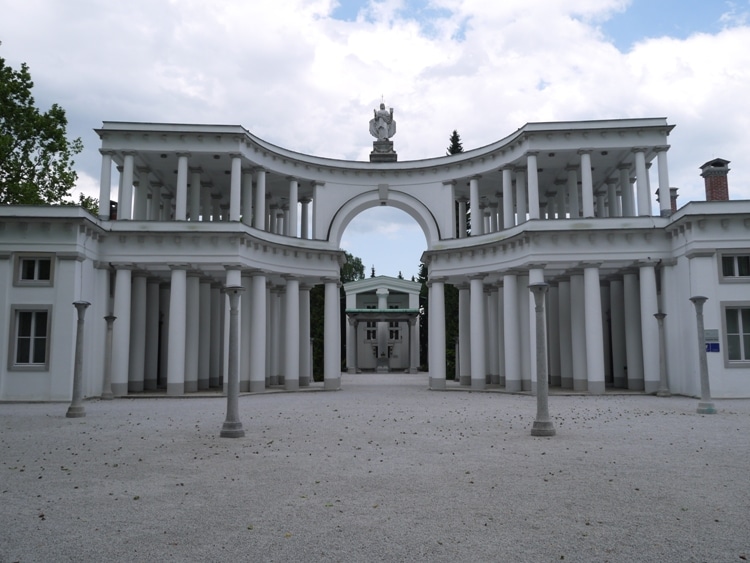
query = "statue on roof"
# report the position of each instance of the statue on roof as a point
(382, 125)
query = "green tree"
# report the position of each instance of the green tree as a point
(455, 147)
(353, 269)
(36, 157)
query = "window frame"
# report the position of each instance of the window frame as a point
(21, 257)
(734, 253)
(726, 305)
(15, 312)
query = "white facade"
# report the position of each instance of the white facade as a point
(201, 207)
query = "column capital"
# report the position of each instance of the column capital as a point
(229, 267)
(462, 286)
(143, 169)
(449, 182)
(586, 265)
(305, 200)
(178, 266)
(638, 149)
(292, 179)
(291, 277)
(195, 169)
(475, 177)
(584, 151)
(106, 152)
(531, 153)
(662, 148)
(624, 166)
(647, 262)
(479, 276)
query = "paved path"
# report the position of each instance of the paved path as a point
(383, 470)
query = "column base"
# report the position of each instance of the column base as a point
(513, 385)
(501, 380)
(494, 379)
(332, 384)
(413, 370)
(464, 380)
(213, 382)
(149, 385)
(257, 386)
(706, 407)
(543, 428)
(203, 385)
(580, 385)
(437, 384)
(651, 387)
(291, 384)
(135, 386)
(478, 384)
(120, 389)
(351, 370)
(232, 430)
(304, 381)
(596, 387)
(566, 382)
(555, 381)
(635, 384)
(191, 386)
(273, 380)
(175, 389)
(78, 412)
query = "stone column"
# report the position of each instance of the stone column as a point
(232, 427)
(351, 345)
(216, 207)
(204, 346)
(235, 188)
(192, 331)
(500, 348)
(292, 332)
(76, 410)
(508, 202)
(245, 330)
(594, 335)
(493, 205)
(525, 329)
(291, 224)
(214, 374)
(464, 337)
(612, 207)
(142, 187)
(382, 326)
(461, 217)
(587, 185)
(706, 405)
(305, 220)
(542, 426)
(511, 330)
(332, 336)
(105, 184)
(492, 340)
(641, 177)
(154, 206)
(125, 203)
(206, 203)
(533, 184)
(414, 345)
(617, 321)
(233, 278)
(258, 334)
(560, 196)
(626, 191)
(177, 331)
(436, 332)
(194, 194)
(121, 335)
(578, 331)
(247, 204)
(107, 383)
(275, 334)
(180, 211)
(305, 364)
(164, 292)
(633, 342)
(665, 201)
(553, 315)
(663, 379)
(574, 201)
(477, 223)
(166, 207)
(564, 331)
(259, 218)
(649, 327)
(520, 195)
(137, 333)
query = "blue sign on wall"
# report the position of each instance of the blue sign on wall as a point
(712, 347)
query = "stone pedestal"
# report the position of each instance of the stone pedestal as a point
(382, 151)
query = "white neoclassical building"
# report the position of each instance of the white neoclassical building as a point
(585, 206)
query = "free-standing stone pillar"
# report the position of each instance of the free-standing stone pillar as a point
(235, 188)
(194, 194)
(477, 220)
(641, 177)
(520, 195)
(107, 386)
(665, 200)
(542, 426)
(617, 322)
(332, 337)
(436, 333)
(533, 184)
(76, 410)
(232, 427)
(204, 352)
(245, 330)
(587, 186)
(509, 219)
(663, 381)
(492, 339)
(351, 345)
(125, 203)
(706, 405)
(574, 201)
(461, 217)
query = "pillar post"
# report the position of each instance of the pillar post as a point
(258, 334)
(477, 221)
(633, 342)
(121, 336)
(626, 191)
(204, 352)
(192, 331)
(641, 178)
(464, 338)
(180, 211)
(578, 330)
(305, 221)
(125, 203)
(107, 385)
(291, 223)
(461, 217)
(292, 332)
(247, 197)
(194, 194)
(564, 332)
(533, 184)
(206, 203)
(105, 185)
(508, 205)
(553, 341)
(382, 294)
(612, 198)
(137, 333)
(332, 336)
(351, 345)
(649, 329)
(665, 201)
(706, 405)
(177, 331)
(436, 333)
(594, 336)
(492, 341)
(76, 410)
(259, 217)
(413, 345)
(511, 331)
(305, 365)
(573, 199)
(232, 427)
(587, 185)
(235, 187)
(617, 322)
(663, 380)
(142, 187)
(542, 426)
(520, 195)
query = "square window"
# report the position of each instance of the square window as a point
(735, 267)
(737, 327)
(34, 270)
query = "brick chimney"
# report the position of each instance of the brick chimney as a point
(715, 174)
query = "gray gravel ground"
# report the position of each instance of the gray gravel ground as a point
(383, 470)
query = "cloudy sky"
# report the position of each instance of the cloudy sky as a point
(306, 75)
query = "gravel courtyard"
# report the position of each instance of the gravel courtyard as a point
(383, 470)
